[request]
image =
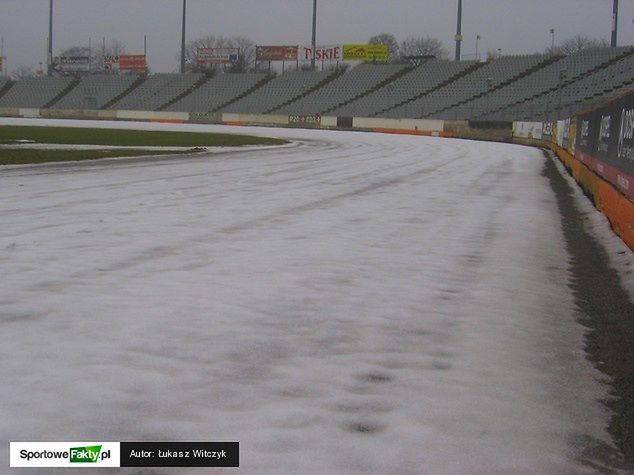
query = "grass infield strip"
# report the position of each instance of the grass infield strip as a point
(27, 156)
(10, 134)
(121, 137)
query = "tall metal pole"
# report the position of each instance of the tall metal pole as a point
(314, 41)
(615, 22)
(50, 39)
(183, 38)
(459, 30)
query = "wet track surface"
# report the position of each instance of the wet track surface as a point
(353, 303)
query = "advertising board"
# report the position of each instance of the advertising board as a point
(132, 62)
(111, 63)
(369, 53)
(529, 130)
(208, 56)
(125, 62)
(605, 142)
(276, 53)
(73, 64)
(322, 53)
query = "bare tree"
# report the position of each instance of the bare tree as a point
(423, 46)
(392, 45)
(23, 72)
(246, 58)
(577, 44)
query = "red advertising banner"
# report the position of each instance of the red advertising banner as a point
(276, 53)
(132, 62)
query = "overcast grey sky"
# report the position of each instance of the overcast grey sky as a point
(516, 26)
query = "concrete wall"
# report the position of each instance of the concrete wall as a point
(375, 123)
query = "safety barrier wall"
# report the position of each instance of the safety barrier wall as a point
(597, 147)
(528, 130)
(255, 119)
(494, 131)
(416, 126)
(172, 117)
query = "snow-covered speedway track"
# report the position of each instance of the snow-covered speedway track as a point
(352, 303)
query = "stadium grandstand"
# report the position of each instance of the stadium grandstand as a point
(219, 91)
(506, 88)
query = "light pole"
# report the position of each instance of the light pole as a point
(615, 22)
(459, 30)
(49, 59)
(489, 88)
(552, 41)
(562, 77)
(478, 38)
(183, 37)
(314, 39)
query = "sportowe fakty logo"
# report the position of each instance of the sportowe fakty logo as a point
(89, 454)
(64, 454)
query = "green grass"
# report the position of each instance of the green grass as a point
(24, 156)
(75, 135)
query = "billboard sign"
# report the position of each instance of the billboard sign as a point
(276, 53)
(132, 62)
(111, 63)
(605, 142)
(125, 62)
(73, 64)
(322, 53)
(369, 53)
(208, 56)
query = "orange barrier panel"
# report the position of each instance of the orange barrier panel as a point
(617, 207)
(402, 132)
(425, 133)
(168, 121)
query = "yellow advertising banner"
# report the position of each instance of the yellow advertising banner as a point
(370, 53)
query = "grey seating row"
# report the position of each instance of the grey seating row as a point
(95, 91)
(345, 87)
(411, 84)
(278, 91)
(34, 91)
(216, 92)
(157, 91)
(568, 69)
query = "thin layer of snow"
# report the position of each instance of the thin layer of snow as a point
(356, 303)
(596, 223)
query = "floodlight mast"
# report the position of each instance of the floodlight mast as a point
(49, 59)
(615, 22)
(459, 31)
(314, 41)
(183, 37)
